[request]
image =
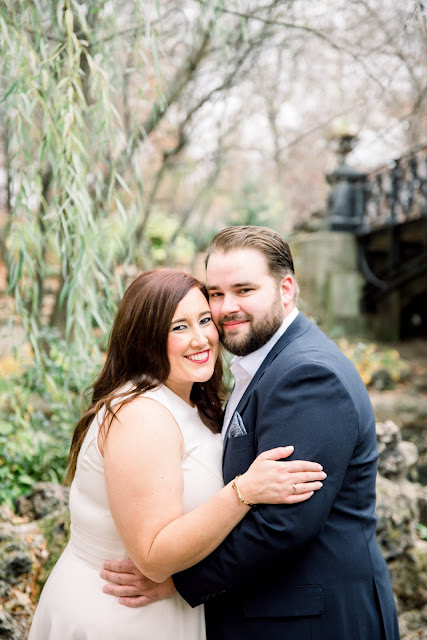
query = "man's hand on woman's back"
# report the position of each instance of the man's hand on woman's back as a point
(126, 582)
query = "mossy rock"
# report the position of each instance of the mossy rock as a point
(397, 514)
(409, 577)
(413, 624)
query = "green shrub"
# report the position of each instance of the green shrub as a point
(39, 411)
(379, 366)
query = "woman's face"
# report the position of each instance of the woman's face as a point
(193, 344)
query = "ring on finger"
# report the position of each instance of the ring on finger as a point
(294, 487)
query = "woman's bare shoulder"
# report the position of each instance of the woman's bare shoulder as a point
(140, 421)
(142, 409)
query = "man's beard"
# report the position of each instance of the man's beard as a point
(260, 331)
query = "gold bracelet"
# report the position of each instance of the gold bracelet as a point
(237, 490)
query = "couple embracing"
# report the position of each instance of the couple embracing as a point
(286, 550)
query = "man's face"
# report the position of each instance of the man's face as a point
(247, 303)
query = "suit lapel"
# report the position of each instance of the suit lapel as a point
(299, 326)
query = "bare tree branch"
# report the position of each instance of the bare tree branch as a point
(305, 29)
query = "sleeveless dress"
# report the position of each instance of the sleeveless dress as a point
(72, 605)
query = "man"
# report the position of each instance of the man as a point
(308, 571)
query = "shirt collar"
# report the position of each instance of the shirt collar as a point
(249, 365)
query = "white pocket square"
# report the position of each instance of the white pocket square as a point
(236, 428)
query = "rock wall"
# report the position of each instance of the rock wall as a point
(401, 509)
(32, 539)
(409, 411)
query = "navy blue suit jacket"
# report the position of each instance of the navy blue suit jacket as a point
(310, 571)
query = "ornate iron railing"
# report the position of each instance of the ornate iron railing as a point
(387, 196)
(397, 192)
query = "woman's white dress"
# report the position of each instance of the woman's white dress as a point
(72, 605)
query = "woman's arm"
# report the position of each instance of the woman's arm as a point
(142, 456)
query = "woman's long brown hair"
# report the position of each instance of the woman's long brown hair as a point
(137, 353)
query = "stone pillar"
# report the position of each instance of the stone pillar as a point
(385, 323)
(326, 269)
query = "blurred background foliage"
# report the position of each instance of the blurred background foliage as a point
(379, 366)
(132, 131)
(38, 414)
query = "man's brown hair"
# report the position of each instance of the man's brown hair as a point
(270, 243)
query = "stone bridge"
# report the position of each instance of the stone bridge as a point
(365, 269)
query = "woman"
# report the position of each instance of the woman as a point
(145, 461)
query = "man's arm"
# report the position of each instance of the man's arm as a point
(310, 408)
